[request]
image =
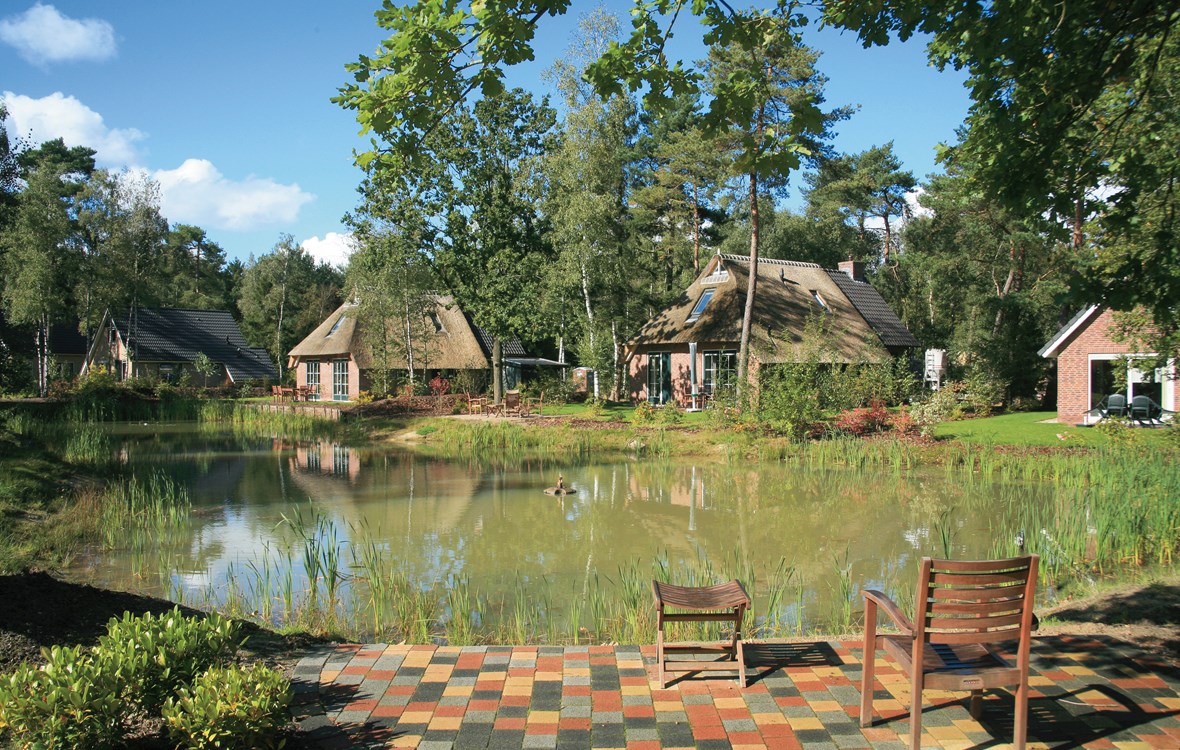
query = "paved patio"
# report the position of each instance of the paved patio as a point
(1085, 692)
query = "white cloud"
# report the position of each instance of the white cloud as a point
(197, 193)
(61, 116)
(334, 249)
(42, 35)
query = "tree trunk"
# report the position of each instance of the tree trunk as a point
(616, 393)
(888, 240)
(586, 300)
(497, 371)
(751, 285)
(696, 229)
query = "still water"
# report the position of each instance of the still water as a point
(445, 520)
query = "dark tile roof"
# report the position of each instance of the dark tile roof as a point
(870, 304)
(179, 335)
(510, 348)
(64, 339)
(1050, 349)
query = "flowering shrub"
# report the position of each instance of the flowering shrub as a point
(439, 385)
(865, 420)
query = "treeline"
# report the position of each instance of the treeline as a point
(76, 241)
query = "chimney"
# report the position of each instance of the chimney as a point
(854, 268)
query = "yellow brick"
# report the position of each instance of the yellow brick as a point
(768, 719)
(546, 676)
(1170, 702)
(1132, 745)
(1038, 681)
(416, 717)
(1078, 672)
(810, 722)
(329, 675)
(452, 691)
(729, 702)
(409, 740)
(445, 722)
(945, 733)
(818, 706)
(577, 671)
(544, 717)
(667, 705)
(635, 690)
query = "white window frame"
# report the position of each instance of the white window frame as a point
(1167, 381)
(339, 379)
(312, 383)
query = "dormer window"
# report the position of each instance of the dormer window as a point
(820, 301)
(720, 274)
(337, 325)
(701, 304)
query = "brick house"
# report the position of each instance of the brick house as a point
(1087, 355)
(690, 348)
(337, 361)
(164, 343)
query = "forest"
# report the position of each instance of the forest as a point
(567, 220)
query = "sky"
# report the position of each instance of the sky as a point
(227, 104)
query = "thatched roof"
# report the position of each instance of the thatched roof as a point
(789, 296)
(455, 347)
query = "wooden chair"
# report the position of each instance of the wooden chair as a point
(477, 404)
(964, 608)
(512, 403)
(533, 403)
(726, 602)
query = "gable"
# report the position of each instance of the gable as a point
(1069, 331)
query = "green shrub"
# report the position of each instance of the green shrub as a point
(71, 701)
(644, 413)
(943, 405)
(787, 398)
(669, 414)
(230, 708)
(159, 654)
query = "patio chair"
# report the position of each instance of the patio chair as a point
(1144, 410)
(964, 609)
(726, 602)
(534, 404)
(512, 403)
(1116, 406)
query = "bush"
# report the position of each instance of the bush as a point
(71, 701)
(230, 708)
(669, 414)
(788, 398)
(365, 397)
(864, 421)
(644, 413)
(941, 406)
(158, 654)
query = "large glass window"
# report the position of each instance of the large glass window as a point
(720, 371)
(340, 380)
(701, 304)
(1101, 380)
(313, 380)
(659, 377)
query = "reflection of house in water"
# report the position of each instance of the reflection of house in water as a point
(329, 459)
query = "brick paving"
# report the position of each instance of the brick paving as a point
(1085, 692)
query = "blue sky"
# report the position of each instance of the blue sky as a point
(227, 104)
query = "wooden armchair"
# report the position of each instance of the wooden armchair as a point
(512, 403)
(964, 608)
(533, 404)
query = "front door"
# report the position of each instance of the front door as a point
(659, 377)
(340, 380)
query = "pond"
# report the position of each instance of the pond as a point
(377, 536)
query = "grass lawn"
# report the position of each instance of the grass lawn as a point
(619, 411)
(1031, 428)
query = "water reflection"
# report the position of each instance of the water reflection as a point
(438, 520)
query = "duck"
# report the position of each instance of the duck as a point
(560, 489)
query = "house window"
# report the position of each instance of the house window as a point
(438, 324)
(720, 371)
(340, 380)
(659, 377)
(819, 300)
(1158, 384)
(701, 304)
(719, 275)
(337, 324)
(313, 380)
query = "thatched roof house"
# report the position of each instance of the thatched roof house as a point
(691, 346)
(337, 359)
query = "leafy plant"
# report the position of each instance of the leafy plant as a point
(230, 707)
(644, 413)
(864, 421)
(71, 701)
(159, 654)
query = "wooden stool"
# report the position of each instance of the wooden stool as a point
(726, 602)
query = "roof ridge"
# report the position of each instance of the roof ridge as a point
(777, 261)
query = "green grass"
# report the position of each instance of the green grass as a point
(1032, 429)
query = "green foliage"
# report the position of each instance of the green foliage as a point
(71, 701)
(230, 707)
(669, 414)
(787, 400)
(943, 405)
(156, 655)
(644, 413)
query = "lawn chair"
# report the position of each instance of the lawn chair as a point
(534, 404)
(964, 608)
(1144, 411)
(1116, 406)
(512, 403)
(726, 602)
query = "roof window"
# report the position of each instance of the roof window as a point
(438, 324)
(701, 304)
(337, 325)
(720, 274)
(820, 301)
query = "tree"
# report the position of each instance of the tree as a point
(864, 187)
(195, 266)
(271, 287)
(40, 261)
(766, 100)
(1072, 105)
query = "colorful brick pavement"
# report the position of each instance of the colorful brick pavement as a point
(1093, 693)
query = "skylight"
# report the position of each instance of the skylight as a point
(701, 304)
(820, 301)
(336, 327)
